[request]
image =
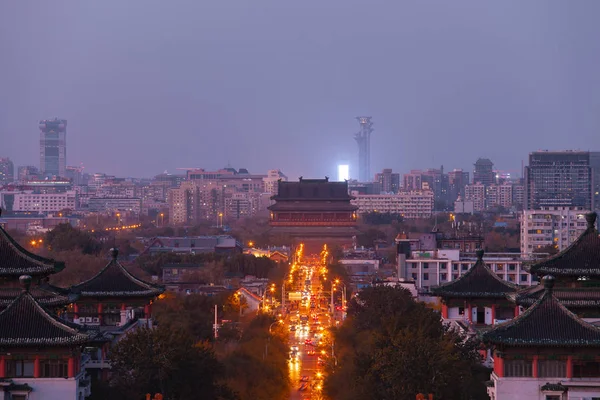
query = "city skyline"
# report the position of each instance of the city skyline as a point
(295, 78)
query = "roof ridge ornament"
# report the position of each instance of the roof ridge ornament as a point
(591, 219)
(114, 253)
(548, 282)
(25, 281)
(480, 254)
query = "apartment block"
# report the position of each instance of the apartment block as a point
(44, 202)
(557, 226)
(410, 204)
(476, 194)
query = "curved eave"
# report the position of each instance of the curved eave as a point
(572, 272)
(147, 293)
(53, 342)
(470, 295)
(543, 343)
(43, 265)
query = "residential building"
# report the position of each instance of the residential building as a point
(75, 175)
(389, 181)
(44, 203)
(410, 204)
(484, 172)
(560, 179)
(554, 226)
(476, 193)
(193, 245)
(104, 204)
(499, 195)
(7, 171)
(184, 204)
(27, 173)
(270, 181)
(433, 268)
(53, 147)
(457, 180)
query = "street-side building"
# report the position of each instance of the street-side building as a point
(193, 245)
(477, 297)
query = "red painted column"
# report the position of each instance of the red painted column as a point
(147, 311)
(71, 367)
(123, 307)
(36, 367)
(100, 310)
(470, 311)
(2, 367)
(445, 311)
(516, 311)
(569, 367)
(534, 366)
(493, 313)
(498, 365)
(75, 312)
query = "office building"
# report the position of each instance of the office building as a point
(7, 171)
(560, 179)
(363, 139)
(44, 202)
(28, 173)
(457, 180)
(53, 147)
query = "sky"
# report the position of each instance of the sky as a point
(154, 85)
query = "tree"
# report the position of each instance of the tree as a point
(391, 347)
(166, 361)
(65, 237)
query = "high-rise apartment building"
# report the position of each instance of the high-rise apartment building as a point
(555, 226)
(499, 195)
(184, 204)
(484, 172)
(388, 180)
(270, 181)
(457, 180)
(560, 179)
(53, 147)
(430, 179)
(476, 194)
(7, 171)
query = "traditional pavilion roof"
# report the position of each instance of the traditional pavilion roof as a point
(547, 323)
(582, 297)
(581, 258)
(478, 282)
(312, 189)
(26, 323)
(115, 281)
(46, 295)
(16, 261)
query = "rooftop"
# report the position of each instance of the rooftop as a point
(26, 323)
(16, 261)
(312, 189)
(115, 281)
(547, 323)
(477, 282)
(581, 258)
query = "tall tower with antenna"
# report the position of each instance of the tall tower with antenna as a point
(363, 138)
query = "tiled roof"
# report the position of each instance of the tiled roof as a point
(45, 295)
(547, 323)
(27, 323)
(478, 282)
(553, 387)
(115, 281)
(581, 258)
(312, 189)
(569, 297)
(312, 205)
(16, 261)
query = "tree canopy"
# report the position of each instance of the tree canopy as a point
(392, 347)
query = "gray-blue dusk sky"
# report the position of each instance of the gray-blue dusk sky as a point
(153, 85)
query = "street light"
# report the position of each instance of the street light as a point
(269, 339)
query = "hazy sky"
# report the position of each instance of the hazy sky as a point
(153, 85)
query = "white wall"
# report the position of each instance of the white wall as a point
(51, 388)
(530, 389)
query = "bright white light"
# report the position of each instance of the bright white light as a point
(343, 172)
